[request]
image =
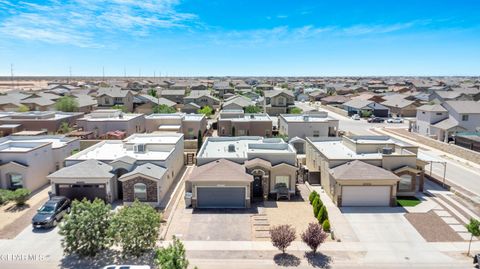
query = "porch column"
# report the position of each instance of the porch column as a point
(422, 177)
(265, 186)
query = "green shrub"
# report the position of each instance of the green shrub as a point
(320, 203)
(20, 196)
(312, 196)
(322, 215)
(5, 196)
(315, 206)
(326, 225)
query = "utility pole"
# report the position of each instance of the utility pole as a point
(70, 74)
(103, 73)
(124, 72)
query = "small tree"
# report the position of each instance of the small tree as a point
(163, 109)
(326, 225)
(86, 230)
(23, 108)
(473, 227)
(5, 195)
(282, 236)
(314, 236)
(172, 257)
(252, 109)
(135, 228)
(152, 92)
(64, 128)
(295, 110)
(322, 215)
(67, 104)
(206, 110)
(20, 196)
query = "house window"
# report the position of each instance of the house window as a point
(316, 133)
(140, 191)
(190, 132)
(464, 117)
(405, 183)
(241, 132)
(283, 179)
(139, 148)
(107, 101)
(16, 181)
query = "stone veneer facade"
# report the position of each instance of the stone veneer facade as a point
(152, 189)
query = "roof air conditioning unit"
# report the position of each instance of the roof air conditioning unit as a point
(387, 151)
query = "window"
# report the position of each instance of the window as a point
(139, 148)
(241, 132)
(464, 117)
(190, 132)
(439, 113)
(405, 183)
(16, 181)
(316, 133)
(140, 191)
(283, 179)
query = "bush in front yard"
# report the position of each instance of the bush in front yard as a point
(5, 196)
(322, 215)
(20, 196)
(86, 230)
(135, 228)
(312, 196)
(326, 225)
(315, 206)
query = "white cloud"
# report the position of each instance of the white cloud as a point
(85, 22)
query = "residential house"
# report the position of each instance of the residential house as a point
(146, 103)
(188, 124)
(364, 170)
(239, 123)
(358, 106)
(237, 103)
(441, 122)
(335, 100)
(401, 107)
(48, 121)
(113, 96)
(277, 102)
(232, 171)
(222, 87)
(142, 166)
(202, 98)
(175, 96)
(86, 103)
(110, 122)
(27, 160)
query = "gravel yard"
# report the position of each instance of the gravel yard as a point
(432, 227)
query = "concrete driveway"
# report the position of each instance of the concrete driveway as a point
(210, 224)
(389, 238)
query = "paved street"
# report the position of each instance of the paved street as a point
(457, 172)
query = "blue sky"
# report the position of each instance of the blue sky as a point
(233, 37)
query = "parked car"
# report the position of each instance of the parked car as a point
(356, 117)
(51, 212)
(395, 120)
(126, 267)
(376, 120)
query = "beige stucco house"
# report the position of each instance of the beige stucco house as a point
(27, 160)
(326, 155)
(103, 121)
(188, 124)
(238, 123)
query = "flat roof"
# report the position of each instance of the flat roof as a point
(335, 149)
(35, 141)
(218, 147)
(306, 118)
(124, 117)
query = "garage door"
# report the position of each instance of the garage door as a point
(89, 191)
(210, 197)
(365, 195)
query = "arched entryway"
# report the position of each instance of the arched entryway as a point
(120, 172)
(258, 178)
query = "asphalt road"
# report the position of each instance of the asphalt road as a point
(456, 172)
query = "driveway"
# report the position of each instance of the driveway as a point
(210, 224)
(389, 238)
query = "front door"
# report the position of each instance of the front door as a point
(257, 186)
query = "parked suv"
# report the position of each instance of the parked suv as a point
(376, 120)
(51, 212)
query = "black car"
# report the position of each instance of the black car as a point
(51, 212)
(376, 120)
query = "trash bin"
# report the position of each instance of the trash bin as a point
(188, 199)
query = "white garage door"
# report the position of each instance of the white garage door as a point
(365, 195)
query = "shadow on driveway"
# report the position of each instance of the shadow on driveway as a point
(370, 209)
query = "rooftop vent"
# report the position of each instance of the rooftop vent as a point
(231, 148)
(387, 150)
